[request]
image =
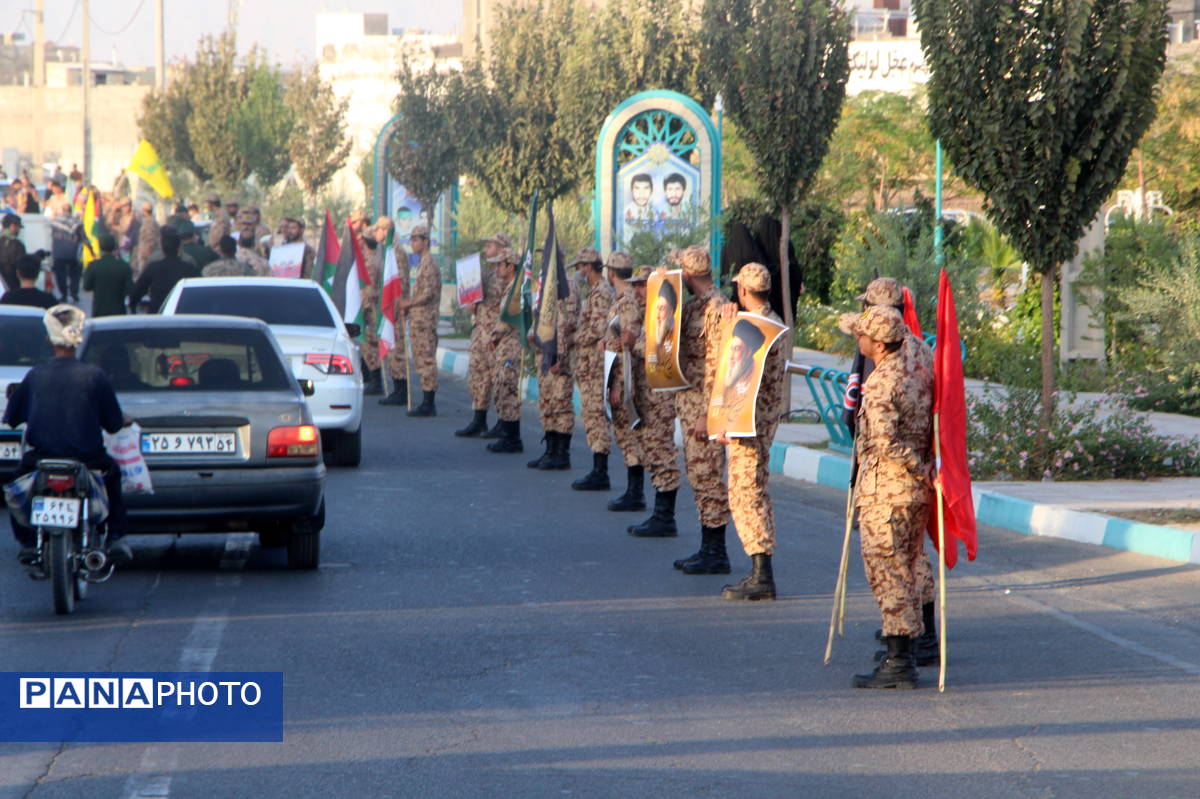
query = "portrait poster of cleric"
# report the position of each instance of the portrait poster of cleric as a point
(663, 312)
(744, 347)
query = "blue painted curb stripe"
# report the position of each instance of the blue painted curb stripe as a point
(991, 508)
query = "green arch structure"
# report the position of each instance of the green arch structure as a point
(623, 135)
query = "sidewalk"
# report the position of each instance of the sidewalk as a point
(1075, 511)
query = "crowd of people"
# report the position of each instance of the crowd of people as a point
(729, 476)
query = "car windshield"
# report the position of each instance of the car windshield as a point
(187, 359)
(275, 305)
(23, 341)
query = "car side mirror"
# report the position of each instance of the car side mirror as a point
(307, 387)
(354, 329)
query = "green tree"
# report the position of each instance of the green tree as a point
(318, 144)
(163, 122)
(216, 87)
(262, 123)
(1039, 106)
(781, 66)
(435, 136)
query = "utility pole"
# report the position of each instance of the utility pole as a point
(86, 73)
(160, 75)
(38, 78)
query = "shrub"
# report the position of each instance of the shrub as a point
(1090, 442)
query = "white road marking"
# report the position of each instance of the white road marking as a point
(153, 777)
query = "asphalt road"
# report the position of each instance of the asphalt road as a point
(477, 629)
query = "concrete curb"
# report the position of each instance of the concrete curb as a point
(991, 508)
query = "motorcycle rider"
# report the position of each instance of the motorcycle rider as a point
(64, 404)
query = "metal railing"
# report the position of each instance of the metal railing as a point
(828, 389)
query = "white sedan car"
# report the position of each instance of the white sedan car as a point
(23, 345)
(312, 336)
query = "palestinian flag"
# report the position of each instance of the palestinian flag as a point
(356, 278)
(393, 289)
(329, 253)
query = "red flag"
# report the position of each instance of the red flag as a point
(910, 314)
(950, 409)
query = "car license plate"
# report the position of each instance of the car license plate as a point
(10, 450)
(55, 512)
(188, 443)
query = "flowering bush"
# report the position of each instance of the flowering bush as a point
(1094, 442)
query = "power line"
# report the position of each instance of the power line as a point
(124, 27)
(70, 19)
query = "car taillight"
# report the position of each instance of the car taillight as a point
(329, 364)
(181, 382)
(60, 482)
(293, 442)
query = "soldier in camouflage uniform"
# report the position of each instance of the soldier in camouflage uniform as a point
(396, 361)
(894, 450)
(887, 292)
(624, 316)
(222, 225)
(700, 322)
(748, 458)
(657, 430)
(506, 355)
(587, 366)
(227, 265)
(149, 239)
(370, 297)
(479, 356)
(422, 310)
(555, 406)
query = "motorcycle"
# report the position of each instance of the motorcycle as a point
(71, 535)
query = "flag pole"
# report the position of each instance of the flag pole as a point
(941, 523)
(407, 361)
(838, 614)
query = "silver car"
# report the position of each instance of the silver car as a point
(23, 345)
(226, 432)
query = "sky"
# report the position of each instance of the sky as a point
(285, 28)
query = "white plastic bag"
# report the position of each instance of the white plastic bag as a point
(125, 447)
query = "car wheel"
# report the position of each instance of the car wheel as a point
(304, 542)
(273, 537)
(347, 448)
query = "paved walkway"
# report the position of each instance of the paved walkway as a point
(1076, 511)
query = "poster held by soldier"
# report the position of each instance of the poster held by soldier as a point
(744, 347)
(470, 280)
(287, 259)
(623, 379)
(662, 324)
(610, 359)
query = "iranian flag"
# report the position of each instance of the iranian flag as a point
(393, 289)
(330, 252)
(356, 278)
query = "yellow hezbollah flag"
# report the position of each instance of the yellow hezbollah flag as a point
(91, 232)
(145, 165)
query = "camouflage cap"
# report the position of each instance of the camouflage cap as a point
(694, 261)
(497, 238)
(878, 323)
(506, 256)
(754, 277)
(585, 256)
(672, 257)
(640, 275)
(882, 291)
(419, 230)
(619, 260)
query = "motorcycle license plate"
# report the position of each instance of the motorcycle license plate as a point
(10, 450)
(188, 443)
(55, 512)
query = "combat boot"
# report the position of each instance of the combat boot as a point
(374, 384)
(713, 557)
(661, 523)
(925, 647)
(426, 408)
(632, 499)
(897, 670)
(478, 425)
(511, 442)
(560, 453)
(758, 584)
(537, 462)
(399, 395)
(497, 430)
(597, 478)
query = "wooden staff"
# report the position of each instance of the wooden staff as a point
(837, 618)
(941, 522)
(408, 361)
